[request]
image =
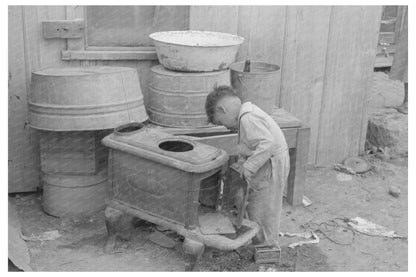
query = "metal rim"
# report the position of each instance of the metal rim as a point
(239, 40)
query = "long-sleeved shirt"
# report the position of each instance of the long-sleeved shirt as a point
(259, 137)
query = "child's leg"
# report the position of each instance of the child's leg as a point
(265, 201)
(265, 208)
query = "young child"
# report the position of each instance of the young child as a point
(263, 156)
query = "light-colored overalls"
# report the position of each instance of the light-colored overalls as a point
(263, 150)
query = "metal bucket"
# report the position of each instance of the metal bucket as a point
(74, 196)
(85, 98)
(178, 99)
(259, 86)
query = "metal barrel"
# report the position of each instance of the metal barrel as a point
(177, 99)
(259, 86)
(85, 98)
(72, 195)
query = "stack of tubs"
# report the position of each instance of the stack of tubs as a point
(193, 63)
(74, 108)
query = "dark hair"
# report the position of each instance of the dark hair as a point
(214, 97)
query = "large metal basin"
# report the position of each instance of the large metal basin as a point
(85, 98)
(196, 51)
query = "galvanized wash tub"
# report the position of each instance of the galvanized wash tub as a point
(177, 99)
(85, 98)
(196, 51)
(73, 195)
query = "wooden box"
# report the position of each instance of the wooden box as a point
(79, 153)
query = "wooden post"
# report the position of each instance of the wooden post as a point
(298, 162)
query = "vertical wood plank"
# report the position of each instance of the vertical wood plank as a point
(265, 32)
(50, 50)
(346, 76)
(75, 12)
(298, 161)
(263, 27)
(368, 56)
(214, 18)
(31, 32)
(22, 177)
(303, 66)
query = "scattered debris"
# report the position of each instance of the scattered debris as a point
(330, 226)
(45, 236)
(356, 165)
(162, 240)
(267, 268)
(162, 228)
(394, 191)
(369, 228)
(383, 153)
(343, 177)
(245, 252)
(267, 254)
(306, 235)
(306, 201)
(344, 169)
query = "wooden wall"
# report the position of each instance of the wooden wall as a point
(326, 54)
(327, 57)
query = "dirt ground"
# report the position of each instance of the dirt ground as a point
(80, 248)
(335, 196)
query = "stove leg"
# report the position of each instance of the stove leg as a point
(193, 252)
(112, 220)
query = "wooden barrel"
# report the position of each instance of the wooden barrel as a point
(74, 196)
(177, 99)
(85, 98)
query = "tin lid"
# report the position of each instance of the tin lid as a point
(177, 151)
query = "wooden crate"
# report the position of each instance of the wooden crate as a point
(79, 153)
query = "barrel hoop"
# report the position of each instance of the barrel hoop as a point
(186, 115)
(53, 181)
(180, 92)
(86, 109)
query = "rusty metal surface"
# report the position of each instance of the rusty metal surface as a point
(196, 51)
(163, 182)
(85, 98)
(177, 99)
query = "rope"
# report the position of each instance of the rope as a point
(329, 227)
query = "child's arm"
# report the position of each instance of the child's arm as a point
(258, 137)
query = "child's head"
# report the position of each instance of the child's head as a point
(223, 107)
